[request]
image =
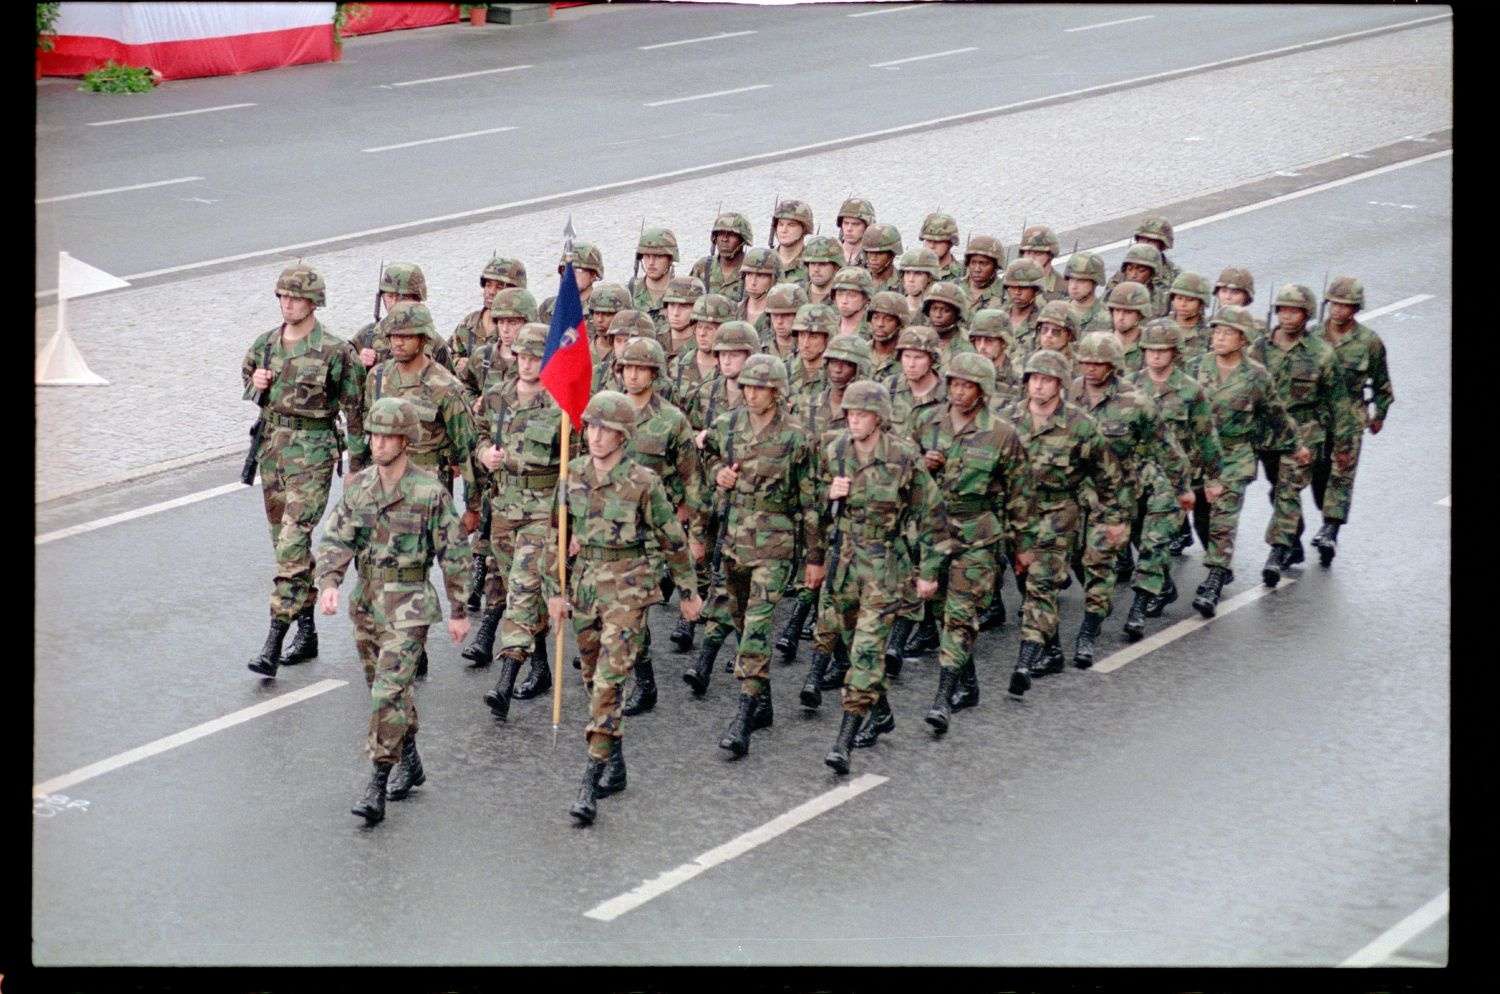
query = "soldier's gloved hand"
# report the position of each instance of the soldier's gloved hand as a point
(328, 601)
(813, 575)
(926, 589)
(1115, 535)
(458, 630)
(1187, 500)
(1213, 492)
(690, 609)
(470, 521)
(557, 610)
(368, 357)
(728, 476)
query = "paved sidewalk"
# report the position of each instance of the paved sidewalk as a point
(172, 352)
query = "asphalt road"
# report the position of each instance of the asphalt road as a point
(594, 98)
(1270, 789)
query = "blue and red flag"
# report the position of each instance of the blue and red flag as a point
(567, 366)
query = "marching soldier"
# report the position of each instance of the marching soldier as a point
(1129, 309)
(1142, 264)
(888, 314)
(605, 301)
(989, 333)
(984, 260)
(920, 389)
(682, 293)
(854, 218)
(1023, 285)
(945, 310)
(1156, 231)
(782, 304)
(1189, 299)
(692, 366)
(1039, 244)
(792, 225)
(399, 281)
(814, 324)
(1084, 273)
(918, 269)
(761, 270)
(622, 328)
(720, 273)
(881, 246)
(1236, 286)
(940, 234)
(852, 290)
(588, 269)
(492, 361)
(824, 258)
(656, 253)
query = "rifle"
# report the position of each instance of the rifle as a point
(716, 565)
(378, 295)
(636, 272)
(1323, 301)
(262, 399)
(836, 539)
(1270, 311)
(771, 236)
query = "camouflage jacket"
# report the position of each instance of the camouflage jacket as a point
(1069, 456)
(1195, 341)
(446, 435)
(954, 272)
(468, 336)
(1025, 332)
(710, 399)
(985, 297)
(892, 281)
(1160, 288)
(803, 380)
(369, 338)
(762, 322)
(885, 367)
(770, 346)
(1361, 358)
(985, 482)
(1054, 286)
(1182, 404)
(1311, 384)
(394, 538)
(1139, 436)
(956, 343)
(1248, 414)
(817, 412)
(715, 280)
(683, 377)
(641, 300)
(773, 505)
(1135, 356)
(526, 482)
(907, 410)
(310, 381)
(607, 375)
(795, 273)
(1094, 318)
(663, 443)
(485, 369)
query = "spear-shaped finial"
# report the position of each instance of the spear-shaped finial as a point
(568, 239)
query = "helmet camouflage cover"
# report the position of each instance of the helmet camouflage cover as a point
(892, 303)
(1144, 255)
(857, 208)
(949, 293)
(1192, 285)
(644, 351)
(1060, 313)
(920, 337)
(1101, 346)
(762, 370)
(851, 349)
(854, 278)
(611, 409)
(657, 241)
(1236, 317)
(795, 210)
(514, 302)
(785, 298)
(1157, 227)
(975, 368)
(1346, 290)
(868, 395)
(586, 255)
(761, 260)
(918, 260)
(629, 323)
(1297, 295)
(939, 227)
(302, 281)
(1023, 272)
(1040, 238)
(404, 278)
(531, 340)
(1046, 362)
(986, 245)
(1237, 278)
(510, 272)
(734, 223)
(607, 298)
(736, 336)
(821, 248)
(991, 323)
(1162, 333)
(408, 317)
(882, 238)
(1130, 296)
(1084, 266)
(393, 416)
(714, 308)
(683, 290)
(820, 319)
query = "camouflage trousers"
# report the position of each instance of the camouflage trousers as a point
(610, 637)
(1094, 561)
(1056, 531)
(1288, 480)
(1157, 522)
(753, 593)
(1333, 490)
(295, 498)
(388, 657)
(859, 610)
(525, 605)
(498, 550)
(971, 584)
(1236, 472)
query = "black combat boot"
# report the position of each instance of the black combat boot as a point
(966, 688)
(539, 677)
(737, 738)
(668, 587)
(764, 716)
(924, 638)
(838, 756)
(833, 676)
(422, 662)
(305, 644)
(812, 693)
(1083, 646)
(1327, 541)
(1182, 539)
(1124, 566)
(807, 626)
(682, 635)
(1158, 602)
(894, 642)
(942, 709)
(643, 695)
(1294, 554)
(786, 642)
(1054, 660)
(703, 667)
(476, 582)
(586, 806)
(1029, 656)
(408, 772)
(371, 807)
(481, 648)
(613, 779)
(1276, 561)
(270, 654)
(1135, 621)
(993, 616)
(1206, 601)
(877, 724)
(498, 699)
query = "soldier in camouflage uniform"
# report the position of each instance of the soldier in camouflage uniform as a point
(945, 310)
(879, 489)
(399, 281)
(918, 268)
(852, 290)
(622, 328)
(691, 367)
(989, 333)
(588, 269)
(682, 293)
(823, 258)
(940, 234)
(1236, 286)
(656, 253)
(854, 219)
(762, 270)
(615, 507)
(1361, 358)
(1156, 231)
(720, 272)
(605, 301)
(1142, 264)
(1189, 301)
(392, 522)
(791, 226)
(984, 260)
(1068, 455)
(1057, 329)
(814, 324)
(1129, 309)
(1023, 285)
(1084, 273)
(984, 478)
(881, 246)
(782, 304)
(306, 374)
(1313, 387)
(920, 388)
(1248, 415)
(1039, 244)
(888, 314)
(477, 328)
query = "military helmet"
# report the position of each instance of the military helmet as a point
(1023, 272)
(949, 293)
(1162, 333)
(939, 227)
(821, 248)
(408, 317)
(586, 255)
(892, 303)
(820, 319)
(737, 336)
(857, 208)
(1047, 362)
(611, 409)
(854, 278)
(1084, 266)
(393, 416)
(1157, 227)
(918, 260)
(761, 260)
(868, 395)
(1130, 296)
(510, 272)
(1237, 278)
(1101, 346)
(1346, 290)
(404, 278)
(785, 298)
(763, 370)
(922, 338)
(302, 281)
(795, 210)
(1040, 238)
(644, 350)
(987, 246)
(631, 322)
(1192, 285)
(683, 290)
(851, 349)
(1236, 317)
(607, 298)
(1060, 313)
(991, 323)
(514, 302)
(734, 223)
(882, 238)
(713, 307)
(657, 241)
(531, 340)
(1297, 295)
(1144, 255)
(975, 368)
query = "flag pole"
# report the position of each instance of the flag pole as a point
(564, 425)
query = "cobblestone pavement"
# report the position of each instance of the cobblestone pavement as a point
(172, 352)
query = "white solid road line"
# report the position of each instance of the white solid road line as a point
(1445, 502)
(919, 58)
(694, 41)
(444, 138)
(1401, 933)
(461, 75)
(891, 10)
(140, 512)
(705, 96)
(1109, 24)
(1388, 308)
(118, 189)
(158, 117)
(183, 738)
(609, 910)
(1186, 627)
